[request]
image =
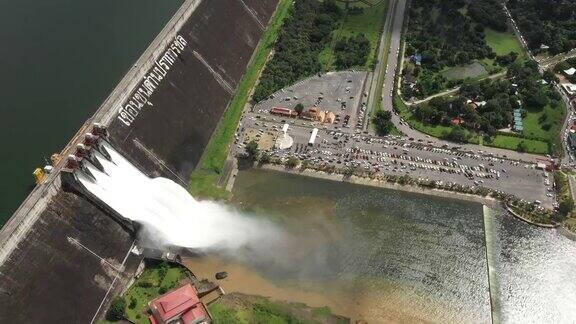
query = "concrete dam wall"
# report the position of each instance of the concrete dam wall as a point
(62, 257)
(173, 127)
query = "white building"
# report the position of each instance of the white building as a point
(570, 71)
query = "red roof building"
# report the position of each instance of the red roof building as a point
(179, 306)
(457, 121)
(281, 111)
(545, 164)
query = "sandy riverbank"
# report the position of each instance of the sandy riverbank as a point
(354, 300)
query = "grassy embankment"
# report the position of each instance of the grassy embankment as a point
(369, 23)
(512, 142)
(203, 181)
(244, 309)
(564, 193)
(504, 42)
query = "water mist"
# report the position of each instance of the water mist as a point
(168, 213)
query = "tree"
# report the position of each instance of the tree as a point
(252, 150)
(549, 76)
(352, 51)
(536, 99)
(546, 22)
(383, 122)
(302, 37)
(507, 59)
(299, 108)
(488, 13)
(462, 58)
(265, 158)
(566, 206)
(560, 67)
(132, 304)
(457, 134)
(521, 147)
(292, 162)
(116, 310)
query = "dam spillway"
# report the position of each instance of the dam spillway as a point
(166, 214)
(62, 256)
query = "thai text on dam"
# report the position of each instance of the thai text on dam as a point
(141, 96)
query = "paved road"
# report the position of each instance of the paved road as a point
(516, 31)
(453, 90)
(547, 62)
(568, 155)
(380, 69)
(395, 40)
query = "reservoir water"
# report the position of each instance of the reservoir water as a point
(59, 59)
(384, 255)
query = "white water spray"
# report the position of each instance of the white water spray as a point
(168, 210)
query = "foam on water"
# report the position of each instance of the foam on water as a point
(165, 208)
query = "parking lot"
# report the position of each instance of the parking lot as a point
(342, 93)
(393, 155)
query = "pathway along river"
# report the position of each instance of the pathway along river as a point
(384, 255)
(59, 59)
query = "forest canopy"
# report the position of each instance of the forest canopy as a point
(444, 36)
(521, 89)
(546, 22)
(302, 37)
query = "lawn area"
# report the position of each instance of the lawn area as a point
(154, 281)
(204, 179)
(503, 43)
(369, 23)
(553, 116)
(511, 143)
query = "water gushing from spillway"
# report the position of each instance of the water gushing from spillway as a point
(166, 209)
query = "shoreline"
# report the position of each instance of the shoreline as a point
(511, 211)
(383, 184)
(487, 201)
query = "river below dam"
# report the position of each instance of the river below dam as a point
(59, 60)
(388, 256)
